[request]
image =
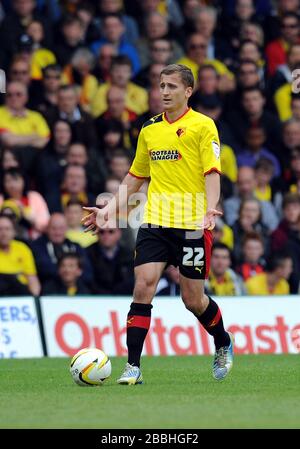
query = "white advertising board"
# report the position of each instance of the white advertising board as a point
(19, 328)
(260, 325)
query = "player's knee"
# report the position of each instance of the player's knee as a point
(144, 288)
(193, 303)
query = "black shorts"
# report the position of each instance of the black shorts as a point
(190, 250)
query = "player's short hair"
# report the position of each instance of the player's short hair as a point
(184, 72)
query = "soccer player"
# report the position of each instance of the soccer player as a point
(180, 151)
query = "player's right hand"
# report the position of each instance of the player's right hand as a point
(94, 220)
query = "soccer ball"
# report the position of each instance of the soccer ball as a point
(90, 366)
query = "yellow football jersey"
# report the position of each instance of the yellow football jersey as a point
(18, 260)
(258, 285)
(177, 156)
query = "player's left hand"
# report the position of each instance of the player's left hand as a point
(209, 220)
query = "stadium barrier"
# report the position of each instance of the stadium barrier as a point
(61, 325)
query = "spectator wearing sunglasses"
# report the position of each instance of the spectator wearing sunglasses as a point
(276, 51)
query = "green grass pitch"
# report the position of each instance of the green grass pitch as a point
(262, 391)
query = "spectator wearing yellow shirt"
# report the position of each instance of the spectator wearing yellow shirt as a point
(283, 83)
(196, 56)
(223, 233)
(74, 213)
(40, 56)
(121, 73)
(222, 279)
(274, 281)
(19, 126)
(17, 266)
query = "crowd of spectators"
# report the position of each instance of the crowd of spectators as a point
(82, 77)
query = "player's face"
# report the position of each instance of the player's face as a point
(174, 93)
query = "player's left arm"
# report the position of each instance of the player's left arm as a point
(210, 155)
(212, 187)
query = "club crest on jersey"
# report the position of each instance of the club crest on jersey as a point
(180, 132)
(216, 149)
(165, 155)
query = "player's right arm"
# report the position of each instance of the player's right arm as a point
(99, 217)
(138, 172)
